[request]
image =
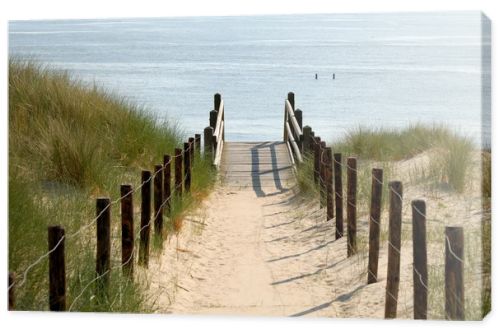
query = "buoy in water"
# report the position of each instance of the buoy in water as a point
(316, 76)
(333, 76)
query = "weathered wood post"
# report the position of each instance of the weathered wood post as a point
(208, 134)
(351, 205)
(393, 265)
(454, 273)
(339, 202)
(127, 212)
(217, 100)
(57, 269)
(145, 217)
(298, 117)
(12, 291)
(317, 154)
(158, 199)
(374, 234)
(311, 149)
(197, 142)
(291, 99)
(306, 143)
(213, 118)
(167, 183)
(419, 260)
(103, 256)
(322, 174)
(187, 168)
(329, 184)
(191, 150)
(178, 171)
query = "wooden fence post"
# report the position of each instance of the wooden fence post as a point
(187, 168)
(197, 142)
(127, 211)
(145, 217)
(317, 141)
(167, 182)
(306, 142)
(298, 117)
(217, 100)
(419, 260)
(329, 184)
(339, 205)
(103, 256)
(374, 235)
(12, 291)
(291, 99)
(213, 119)
(178, 171)
(393, 265)
(454, 273)
(57, 269)
(208, 134)
(191, 150)
(351, 205)
(158, 199)
(322, 174)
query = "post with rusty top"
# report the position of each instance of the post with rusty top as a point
(12, 291)
(57, 269)
(158, 200)
(329, 184)
(178, 171)
(306, 142)
(351, 205)
(127, 212)
(419, 260)
(145, 217)
(394, 250)
(187, 168)
(167, 183)
(454, 273)
(339, 202)
(103, 256)
(374, 234)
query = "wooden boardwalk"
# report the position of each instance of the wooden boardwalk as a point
(264, 167)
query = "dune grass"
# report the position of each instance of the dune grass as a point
(68, 144)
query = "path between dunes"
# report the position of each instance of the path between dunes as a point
(257, 248)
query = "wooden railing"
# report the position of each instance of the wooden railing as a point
(214, 134)
(292, 129)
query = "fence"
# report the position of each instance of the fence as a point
(214, 133)
(163, 193)
(304, 145)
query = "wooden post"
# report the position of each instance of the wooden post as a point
(12, 291)
(419, 260)
(454, 273)
(127, 211)
(317, 156)
(285, 121)
(197, 141)
(178, 171)
(329, 184)
(339, 203)
(393, 265)
(291, 99)
(311, 149)
(213, 119)
(57, 269)
(306, 142)
(322, 174)
(158, 199)
(187, 168)
(167, 180)
(351, 205)
(191, 150)
(374, 235)
(103, 257)
(208, 134)
(298, 117)
(217, 100)
(145, 217)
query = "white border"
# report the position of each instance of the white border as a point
(84, 323)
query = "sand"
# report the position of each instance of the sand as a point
(275, 255)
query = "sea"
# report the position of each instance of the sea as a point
(377, 70)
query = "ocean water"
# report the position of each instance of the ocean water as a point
(390, 69)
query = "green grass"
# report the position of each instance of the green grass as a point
(68, 144)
